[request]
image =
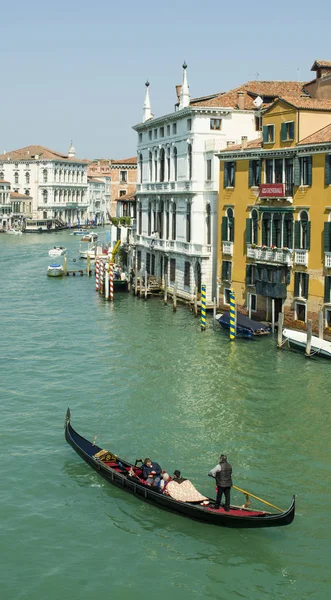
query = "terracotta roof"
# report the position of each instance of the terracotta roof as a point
(30, 152)
(128, 161)
(251, 144)
(3, 181)
(128, 196)
(268, 90)
(321, 136)
(307, 103)
(17, 196)
(318, 64)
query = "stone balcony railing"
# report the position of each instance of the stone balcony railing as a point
(327, 260)
(279, 256)
(189, 248)
(301, 257)
(227, 248)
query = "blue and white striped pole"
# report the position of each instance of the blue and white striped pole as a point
(203, 307)
(233, 324)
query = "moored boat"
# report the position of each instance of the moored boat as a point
(89, 237)
(245, 327)
(55, 270)
(298, 341)
(126, 476)
(57, 251)
(80, 232)
(12, 231)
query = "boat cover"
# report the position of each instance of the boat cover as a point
(245, 322)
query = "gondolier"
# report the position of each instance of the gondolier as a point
(223, 475)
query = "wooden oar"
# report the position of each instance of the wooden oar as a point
(257, 498)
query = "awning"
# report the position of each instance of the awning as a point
(281, 209)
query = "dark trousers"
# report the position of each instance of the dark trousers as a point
(220, 492)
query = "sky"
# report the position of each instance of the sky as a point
(76, 70)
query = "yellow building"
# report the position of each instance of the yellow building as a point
(275, 215)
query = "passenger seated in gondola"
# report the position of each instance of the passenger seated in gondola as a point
(177, 478)
(151, 472)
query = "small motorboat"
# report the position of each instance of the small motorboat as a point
(80, 232)
(297, 340)
(12, 231)
(89, 237)
(55, 270)
(127, 477)
(57, 251)
(245, 327)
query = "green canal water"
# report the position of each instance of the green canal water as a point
(147, 382)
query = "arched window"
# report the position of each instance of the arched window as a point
(155, 165)
(174, 220)
(208, 224)
(167, 220)
(162, 164)
(45, 196)
(141, 168)
(150, 164)
(175, 163)
(45, 175)
(168, 163)
(188, 222)
(27, 178)
(302, 231)
(160, 219)
(266, 229)
(27, 192)
(276, 230)
(189, 160)
(2, 175)
(288, 231)
(149, 230)
(16, 176)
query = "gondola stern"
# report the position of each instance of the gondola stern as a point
(67, 417)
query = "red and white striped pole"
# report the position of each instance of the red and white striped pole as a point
(101, 276)
(97, 275)
(111, 281)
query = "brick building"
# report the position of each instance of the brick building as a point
(123, 177)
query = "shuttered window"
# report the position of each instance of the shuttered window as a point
(327, 289)
(306, 170)
(328, 169)
(268, 134)
(254, 173)
(228, 227)
(302, 232)
(148, 263)
(287, 131)
(301, 285)
(172, 269)
(187, 273)
(327, 237)
(139, 260)
(229, 174)
(226, 270)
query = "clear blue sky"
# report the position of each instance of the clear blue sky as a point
(76, 70)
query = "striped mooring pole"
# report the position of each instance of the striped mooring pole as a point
(97, 275)
(101, 276)
(111, 281)
(233, 324)
(203, 307)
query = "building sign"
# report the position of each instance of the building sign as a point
(272, 190)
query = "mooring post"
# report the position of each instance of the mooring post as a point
(88, 265)
(135, 285)
(249, 298)
(64, 264)
(111, 281)
(203, 307)
(320, 324)
(106, 284)
(174, 298)
(146, 283)
(101, 276)
(272, 315)
(165, 288)
(280, 330)
(214, 314)
(233, 316)
(97, 265)
(140, 283)
(309, 336)
(195, 301)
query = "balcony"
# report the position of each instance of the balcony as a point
(175, 246)
(227, 248)
(282, 191)
(327, 260)
(278, 256)
(301, 257)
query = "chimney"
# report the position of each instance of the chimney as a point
(228, 144)
(241, 100)
(178, 88)
(244, 142)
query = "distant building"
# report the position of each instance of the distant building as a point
(123, 177)
(57, 183)
(98, 199)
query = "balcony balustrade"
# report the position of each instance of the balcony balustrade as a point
(270, 255)
(188, 248)
(301, 257)
(227, 248)
(327, 260)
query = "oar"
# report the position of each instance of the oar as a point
(257, 498)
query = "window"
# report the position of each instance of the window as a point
(209, 163)
(258, 124)
(150, 164)
(2, 175)
(150, 134)
(228, 226)
(266, 229)
(16, 176)
(300, 311)
(172, 269)
(268, 134)
(27, 178)
(141, 168)
(162, 132)
(122, 193)
(168, 163)
(187, 274)
(327, 169)
(269, 170)
(140, 137)
(287, 131)
(189, 160)
(253, 300)
(173, 221)
(226, 270)
(327, 290)
(123, 176)
(175, 163)
(306, 170)
(189, 124)
(302, 232)
(278, 170)
(167, 220)
(159, 225)
(252, 228)
(226, 296)
(45, 196)
(148, 262)
(254, 173)
(216, 124)
(138, 260)
(250, 274)
(208, 224)
(155, 134)
(301, 284)
(168, 129)
(155, 166)
(328, 318)
(45, 175)
(188, 222)
(149, 219)
(229, 174)
(174, 128)
(162, 164)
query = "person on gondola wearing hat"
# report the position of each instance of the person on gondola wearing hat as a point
(223, 475)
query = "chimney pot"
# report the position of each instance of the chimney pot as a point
(244, 141)
(241, 100)
(228, 144)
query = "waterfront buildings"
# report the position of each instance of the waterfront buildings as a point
(54, 183)
(122, 176)
(275, 213)
(98, 199)
(178, 179)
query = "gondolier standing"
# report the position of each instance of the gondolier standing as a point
(223, 475)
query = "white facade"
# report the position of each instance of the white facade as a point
(98, 199)
(56, 183)
(177, 190)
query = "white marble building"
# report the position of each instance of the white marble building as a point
(98, 199)
(56, 182)
(177, 186)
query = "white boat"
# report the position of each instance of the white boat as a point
(89, 237)
(55, 270)
(57, 251)
(12, 231)
(43, 225)
(298, 341)
(80, 232)
(93, 251)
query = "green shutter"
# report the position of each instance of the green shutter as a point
(226, 176)
(310, 170)
(224, 229)
(285, 234)
(283, 132)
(296, 284)
(234, 173)
(305, 278)
(297, 171)
(264, 233)
(273, 233)
(327, 289)
(248, 273)
(249, 223)
(327, 170)
(292, 130)
(225, 270)
(308, 236)
(265, 134)
(297, 227)
(250, 174)
(327, 237)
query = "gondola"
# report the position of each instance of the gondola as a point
(245, 327)
(125, 476)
